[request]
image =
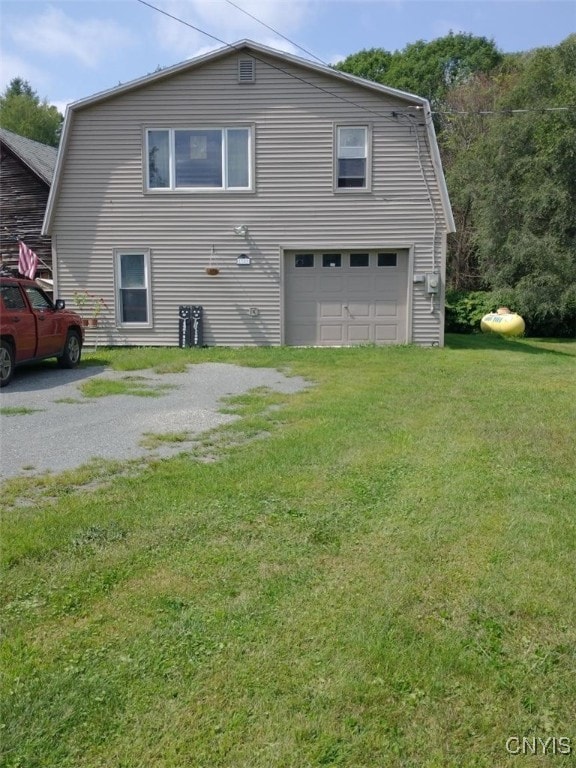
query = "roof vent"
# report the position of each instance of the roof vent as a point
(246, 70)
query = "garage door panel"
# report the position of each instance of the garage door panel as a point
(356, 309)
(359, 333)
(388, 285)
(331, 309)
(304, 334)
(331, 334)
(344, 304)
(307, 309)
(386, 332)
(298, 288)
(386, 309)
(361, 284)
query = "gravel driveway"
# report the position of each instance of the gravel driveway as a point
(66, 429)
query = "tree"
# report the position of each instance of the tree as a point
(22, 112)
(371, 64)
(426, 69)
(466, 120)
(525, 188)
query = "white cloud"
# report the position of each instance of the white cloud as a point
(228, 24)
(56, 34)
(336, 58)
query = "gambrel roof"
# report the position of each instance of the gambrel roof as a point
(255, 50)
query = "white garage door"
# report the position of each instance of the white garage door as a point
(342, 298)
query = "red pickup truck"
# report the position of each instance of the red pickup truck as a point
(32, 327)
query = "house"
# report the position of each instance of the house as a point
(27, 168)
(294, 203)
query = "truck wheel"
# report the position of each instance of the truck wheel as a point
(72, 351)
(6, 363)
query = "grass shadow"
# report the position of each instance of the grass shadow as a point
(531, 346)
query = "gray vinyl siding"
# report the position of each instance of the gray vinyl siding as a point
(103, 207)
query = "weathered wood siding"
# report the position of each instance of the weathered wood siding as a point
(23, 198)
(103, 204)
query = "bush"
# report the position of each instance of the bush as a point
(465, 310)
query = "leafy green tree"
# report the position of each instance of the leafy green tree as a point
(525, 188)
(431, 69)
(371, 64)
(426, 69)
(22, 112)
(467, 119)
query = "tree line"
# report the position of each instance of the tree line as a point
(506, 127)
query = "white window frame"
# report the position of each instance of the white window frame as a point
(171, 188)
(367, 187)
(118, 254)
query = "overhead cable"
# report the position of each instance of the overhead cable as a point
(393, 113)
(263, 23)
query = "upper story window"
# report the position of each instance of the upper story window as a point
(199, 159)
(352, 157)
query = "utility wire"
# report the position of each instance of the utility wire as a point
(276, 32)
(394, 113)
(503, 111)
(197, 29)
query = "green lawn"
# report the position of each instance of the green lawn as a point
(376, 572)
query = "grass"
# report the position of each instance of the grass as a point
(386, 579)
(129, 385)
(17, 410)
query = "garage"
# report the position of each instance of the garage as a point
(339, 298)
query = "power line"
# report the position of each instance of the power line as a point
(197, 29)
(276, 32)
(503, 111)
(394, 113)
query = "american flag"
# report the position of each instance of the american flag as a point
(27, 261)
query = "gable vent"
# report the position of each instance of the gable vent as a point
(246, 70)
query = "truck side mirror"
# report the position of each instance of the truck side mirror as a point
(60, 304)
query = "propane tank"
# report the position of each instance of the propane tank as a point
(503, 321)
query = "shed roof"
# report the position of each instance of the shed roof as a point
(40, 158)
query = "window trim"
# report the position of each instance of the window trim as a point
(336, 146)
(172, 188)
(118, 253)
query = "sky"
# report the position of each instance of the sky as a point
(71, 49)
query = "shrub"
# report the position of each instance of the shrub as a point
(465, 309)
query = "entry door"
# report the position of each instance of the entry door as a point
(344, 298)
